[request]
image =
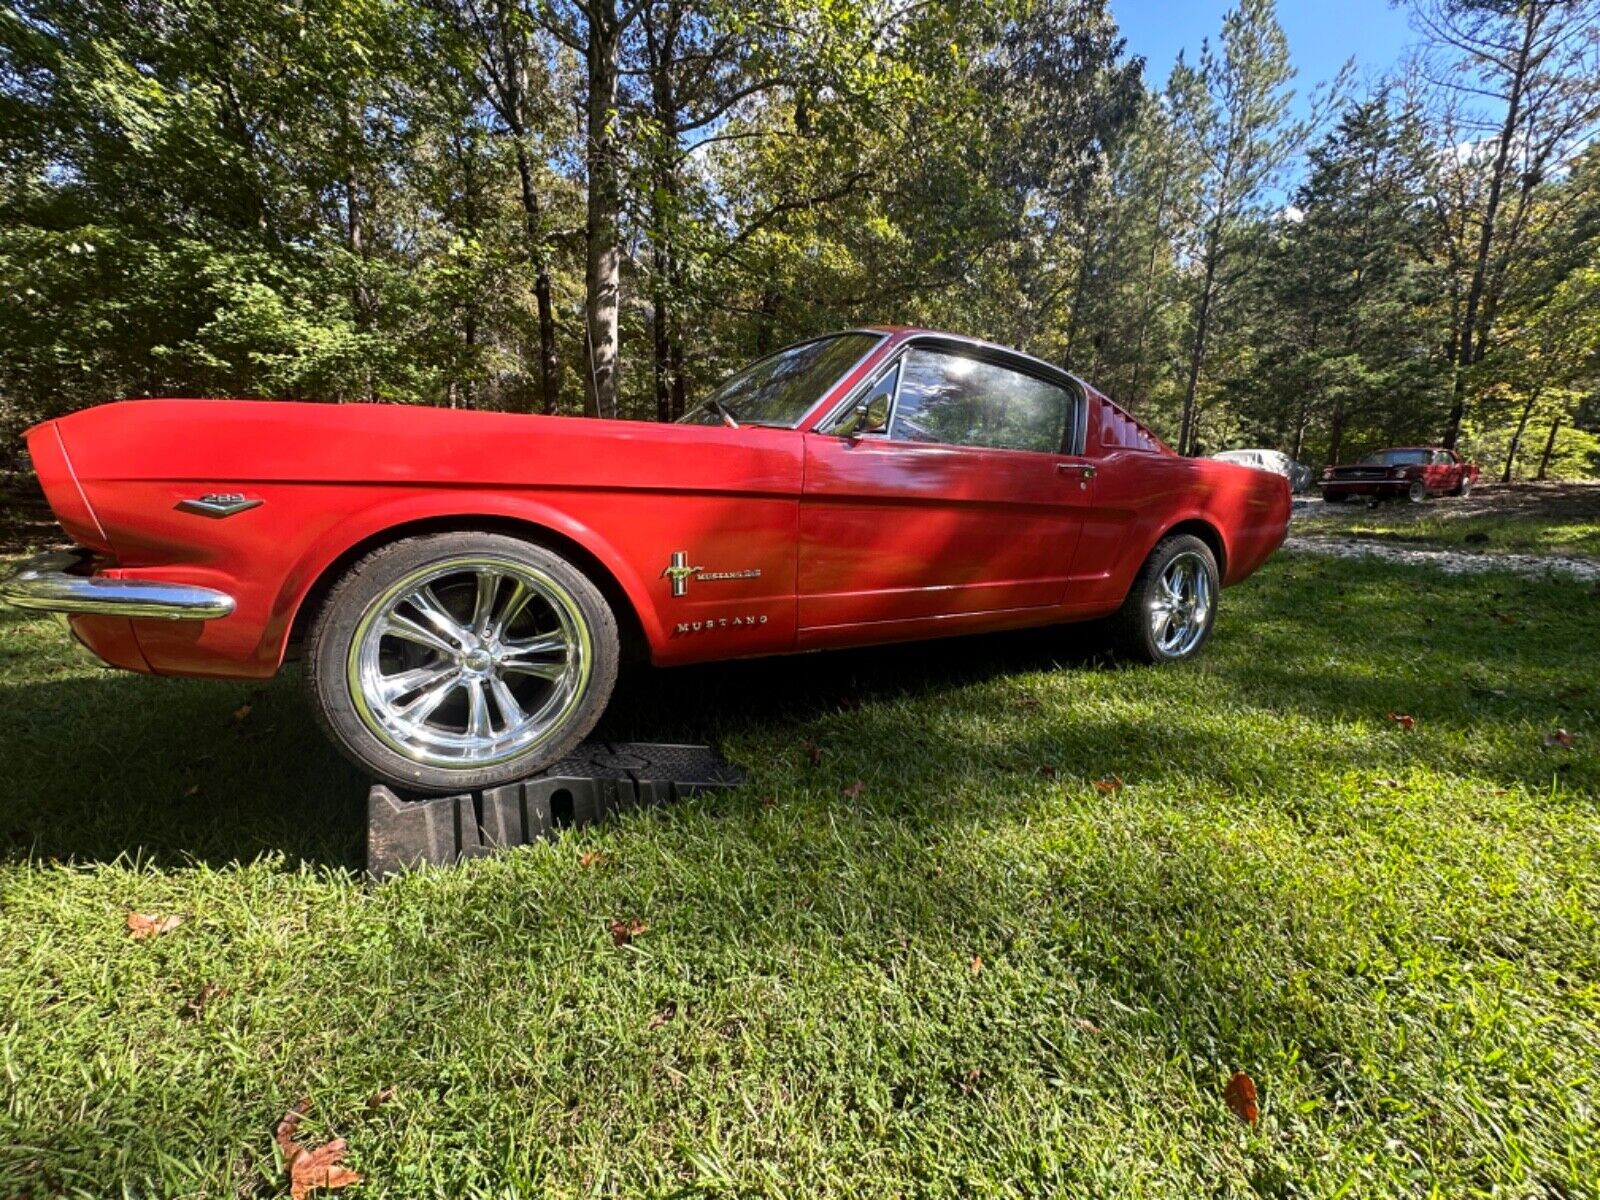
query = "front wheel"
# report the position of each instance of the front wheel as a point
(1333, 497)
(1172, 605)
(1417, 492)
(457, 661)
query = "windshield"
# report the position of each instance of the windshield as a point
(1398, 458)
(781, 388)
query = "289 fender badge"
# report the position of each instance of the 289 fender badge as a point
(680, 572)
(219, 504)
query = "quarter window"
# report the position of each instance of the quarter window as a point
(957, 400)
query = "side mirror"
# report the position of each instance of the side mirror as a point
(870, 414)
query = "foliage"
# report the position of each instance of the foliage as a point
(591, 206)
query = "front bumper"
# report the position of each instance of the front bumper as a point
(1367, 487)
(48, 584)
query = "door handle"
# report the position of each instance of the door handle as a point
(1081, 470)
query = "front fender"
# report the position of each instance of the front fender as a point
(369, 525)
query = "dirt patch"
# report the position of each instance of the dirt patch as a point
(1563, 501)
(1455, 562)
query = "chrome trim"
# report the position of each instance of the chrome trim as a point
(1181, 610)
(46, 584)
(219, 504)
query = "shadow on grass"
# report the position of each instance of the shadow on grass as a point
(108, 765)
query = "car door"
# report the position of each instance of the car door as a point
(967, 497)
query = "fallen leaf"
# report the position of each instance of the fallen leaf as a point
(1241, 1097)
(855, 791)
(592, 858)
(813, 753)
(970, 1079)
(1047, 772)
(192, 790)
(1560, 737)
(141, 926)
(623, 932)
(309, 1169)
(806, 903)
(1086, 1025)
(769, 802)
(1505, 618)
(240, 713)
(196, 1004)
(1108, 783)
(662, 1016)
(976, 964)
(1405, 720)
(380, 1097)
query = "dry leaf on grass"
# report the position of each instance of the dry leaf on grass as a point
(592, 858)
(141, 926)
(1559, 737)
(381, 1097)
(1108, 783)
(855, 791)
(976, 965)
(769, 802)
(1085, 1025)
(662, 1016)
(623, 932)
(240, 713)
(310, 1169)
(813, 753)
(196, 1004)
(1405, 720)
(1241, 1097)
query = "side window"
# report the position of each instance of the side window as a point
(961, 401)
(1441, 458)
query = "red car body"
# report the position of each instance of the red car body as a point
(791, 539)
(1437, 472)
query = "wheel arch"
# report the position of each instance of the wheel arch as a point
(635, 640)
(1204, 530)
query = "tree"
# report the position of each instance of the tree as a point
(1239, 123)
(1538, 61)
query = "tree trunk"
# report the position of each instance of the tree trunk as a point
(1198, 350)
(1516, 438)
(1469, 346)
(1336, 433)
(603, 260)
(1549, 449)
(548, 384)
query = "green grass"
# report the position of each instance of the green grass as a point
(1393, 933)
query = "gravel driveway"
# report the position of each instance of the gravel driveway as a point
(1456, 562)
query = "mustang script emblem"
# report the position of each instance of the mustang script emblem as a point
(680, 572)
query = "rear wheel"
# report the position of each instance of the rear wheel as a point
(1172, 604)
(458, 661)
(1465, 489)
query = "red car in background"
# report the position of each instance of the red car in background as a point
(1415, 472)
(461, 585)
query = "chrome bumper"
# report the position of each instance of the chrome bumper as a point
(46, 584)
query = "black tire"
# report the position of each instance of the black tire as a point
(352, 714)
(1333, 497)
(1417, 491)
(1133, 630)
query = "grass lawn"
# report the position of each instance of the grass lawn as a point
(978, 975)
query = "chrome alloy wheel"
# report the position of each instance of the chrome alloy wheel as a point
(1181, 608)
(470, 661)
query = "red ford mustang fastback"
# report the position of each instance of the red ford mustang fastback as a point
(461, 585)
